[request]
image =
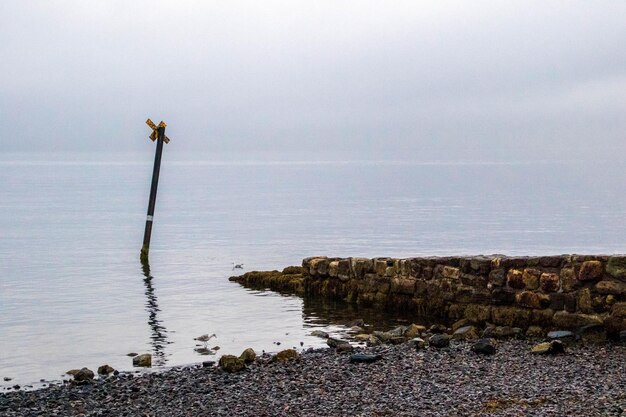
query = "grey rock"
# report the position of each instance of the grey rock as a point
(562, 335)
(144, 360)
(465, 333)
(333, 343)
(365, 358)
(231, 363)
(344, 347)
(398, 331)
(438, 328)
(592, 334)
(484, 347)
(105, 370)
(84, 374)
(417, 343)
(373, 341)
(356, 322)
(320, 333)
(549, 348)
(439, 341)
(248, 356)
(383, 336)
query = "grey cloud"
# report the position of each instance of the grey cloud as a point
(359, 78)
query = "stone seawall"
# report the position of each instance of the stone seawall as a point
(565, 292)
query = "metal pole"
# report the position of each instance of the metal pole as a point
(153, 192)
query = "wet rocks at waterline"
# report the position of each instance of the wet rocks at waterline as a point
(564, 292)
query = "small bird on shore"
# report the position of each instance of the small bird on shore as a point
(204, 338)
(237, 266)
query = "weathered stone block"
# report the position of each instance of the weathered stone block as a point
(322, 267)
(611, 287)
(333, 269)
(502, 296)
(421, 287)
(530, 277)
(380, 266)
(463, 294)
(478, 314)
(314, 263)
(400, 285)
(616, 267)
(455, 311)
(565, 320)
(343, 270)
(428, 272)
(619, 310)
(571, 304)
(549, 282)
(517, 262)
(361, 266)
(481, 296)
(532, 299)
(615, 325)
(475, 281)
(585, 304)
(480, 264)
(416, 267)
(557, 302)
(510, 316)
(591, 270)
(542, 317)
(497, 277)
(515, 279)
(450, 272)
(380, 298)
(569, 281)
(550, 261)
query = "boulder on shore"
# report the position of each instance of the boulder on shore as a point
(364, 358)
(285, 355)
(144, 360)
(484, 347)
(105, 370)
(84, 374)
(439, 341)
(231, 363)
(549, 348)
(248, 356)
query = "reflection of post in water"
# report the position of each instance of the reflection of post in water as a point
(159, 332)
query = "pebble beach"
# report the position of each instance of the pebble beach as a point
(588, 380)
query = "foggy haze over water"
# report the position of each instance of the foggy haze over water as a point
(348, 80)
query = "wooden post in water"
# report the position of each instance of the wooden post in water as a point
(158, 135)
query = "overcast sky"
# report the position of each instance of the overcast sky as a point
(351, 77)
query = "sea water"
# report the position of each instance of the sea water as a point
(73, 293)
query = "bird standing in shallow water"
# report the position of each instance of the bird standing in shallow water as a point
(204, 338)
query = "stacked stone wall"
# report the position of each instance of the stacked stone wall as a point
(567, 291)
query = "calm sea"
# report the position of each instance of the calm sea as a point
(73, 293)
